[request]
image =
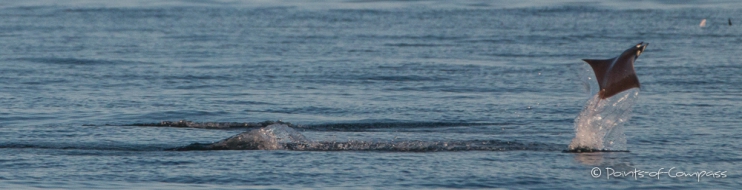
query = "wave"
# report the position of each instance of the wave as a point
(386, 125)
(284, 137)
(401, 146)
(82, 146)
(78, 61)
(278, 135)
(208, 125)
(352, 126)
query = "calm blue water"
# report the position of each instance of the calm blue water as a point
(421, 94)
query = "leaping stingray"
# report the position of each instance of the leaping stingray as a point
(617, 74)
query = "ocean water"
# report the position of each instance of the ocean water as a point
(361, 94)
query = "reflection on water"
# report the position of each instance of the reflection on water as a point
(616, 160)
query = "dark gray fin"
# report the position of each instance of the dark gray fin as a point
(622, 77)
(600, 68)
(628, 81)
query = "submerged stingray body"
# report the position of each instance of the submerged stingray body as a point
(617, 74)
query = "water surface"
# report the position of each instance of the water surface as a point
(78, 77)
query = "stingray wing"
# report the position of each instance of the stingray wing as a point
(600, 68)
(620, 77)
(613, 80)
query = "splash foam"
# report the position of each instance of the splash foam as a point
(599, 127)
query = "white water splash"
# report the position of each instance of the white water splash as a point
(272, 137)
(283, 137)
(600, 124)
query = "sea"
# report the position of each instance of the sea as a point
(364, 94)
